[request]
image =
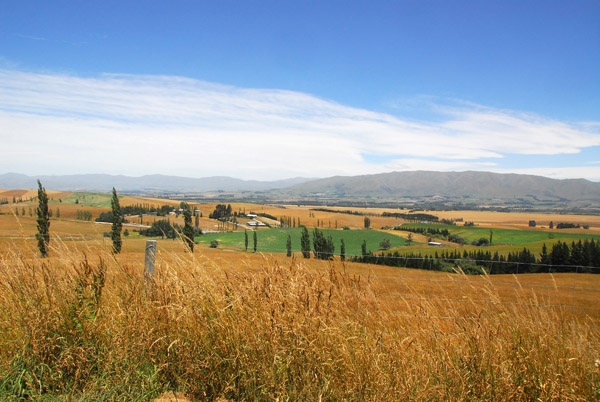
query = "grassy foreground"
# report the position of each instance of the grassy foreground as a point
(77, 327)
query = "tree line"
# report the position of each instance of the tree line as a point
(562, 257)
(418, 217)
(139, 209)
(440, 234)
(413, 217)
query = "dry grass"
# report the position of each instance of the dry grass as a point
(84, 325)
(219, 325)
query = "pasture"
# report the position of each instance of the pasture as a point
(274, 240)
(99, 200)
(502, 236)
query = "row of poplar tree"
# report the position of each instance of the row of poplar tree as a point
(43, 223)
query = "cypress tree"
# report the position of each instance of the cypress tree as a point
(43, 221)
(305, 242)
(255, 240)
(319, 244)
(343, 251)
(246, 239)
(330, 248)
(117, 222)
(188, 230)
(289, 246)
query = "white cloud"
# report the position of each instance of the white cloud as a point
(437, 165)
(125, 124)
(570, 172)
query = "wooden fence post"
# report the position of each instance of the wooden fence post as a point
(150, 258)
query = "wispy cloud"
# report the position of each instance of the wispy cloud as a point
(567, 172)
(145, 124)
(30, 37)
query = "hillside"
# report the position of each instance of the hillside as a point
(469, 185)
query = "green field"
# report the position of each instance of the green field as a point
(89, 199)
(505, 236)
(274, 240)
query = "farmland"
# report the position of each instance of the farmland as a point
(504, 236)
(232, 324)
(274, 240)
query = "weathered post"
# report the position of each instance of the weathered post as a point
(150, 258)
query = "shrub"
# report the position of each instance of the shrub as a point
(385, 244)
(482, 241)
(454, 238)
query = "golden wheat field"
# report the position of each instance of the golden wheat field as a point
(85, 324)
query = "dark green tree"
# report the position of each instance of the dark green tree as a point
(43, 221)
(57, 212)
(323, 247)
(246, 239)
(544, 257)
(367, 222)
(343, 250)
(161, 227)
(363, 247)
(255, 241)
(188, 230)
(117, 222)
(305, 242)
(288, 246)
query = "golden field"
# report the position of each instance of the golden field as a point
(84, 324)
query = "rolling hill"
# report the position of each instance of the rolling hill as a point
(470, 184)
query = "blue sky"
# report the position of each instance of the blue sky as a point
(276, 89)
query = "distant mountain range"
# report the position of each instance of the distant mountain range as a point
(455, 186)
(148, 183)
(477, 185)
